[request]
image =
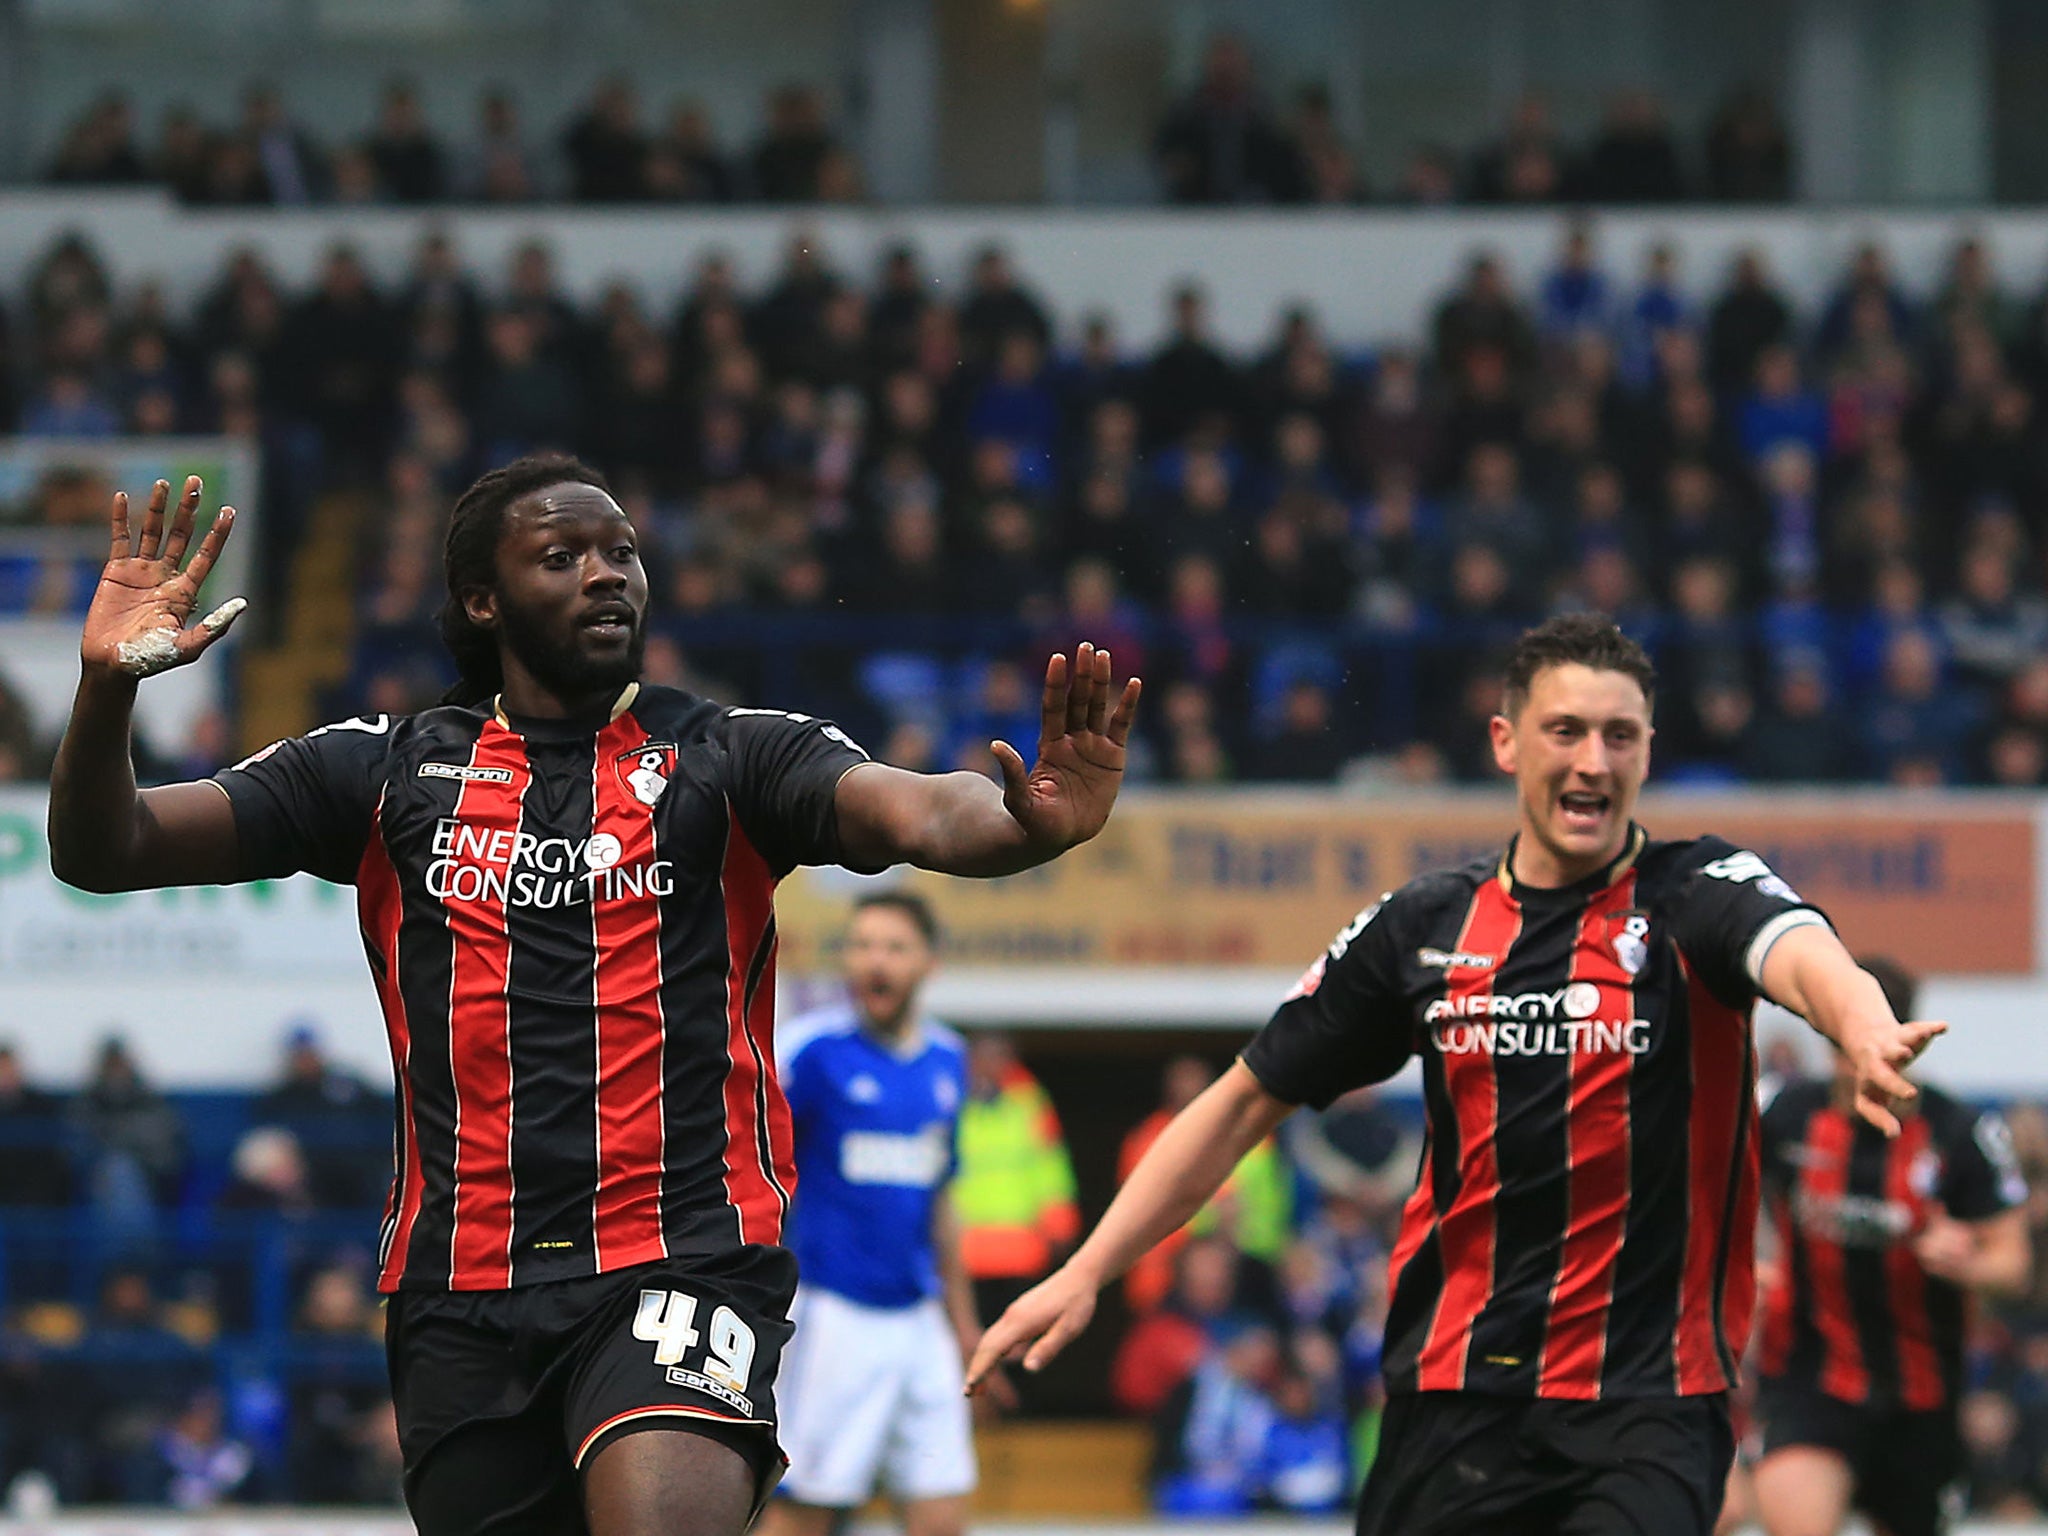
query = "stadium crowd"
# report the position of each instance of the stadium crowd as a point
(878, 498)
(1222, 143)
(187, 1316)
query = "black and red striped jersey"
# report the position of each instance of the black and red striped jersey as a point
(1850, 1312)
(570, 928)
(1584, 1218)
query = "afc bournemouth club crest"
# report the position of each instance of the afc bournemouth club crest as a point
(646, 770)
(1628, 934)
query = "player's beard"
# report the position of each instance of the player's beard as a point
(565, 670)
(894, 1018)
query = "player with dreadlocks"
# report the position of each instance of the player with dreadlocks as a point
(565, 880)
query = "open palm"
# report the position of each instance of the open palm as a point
(136, 624)
(1065, 797)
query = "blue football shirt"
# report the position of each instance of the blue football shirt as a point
(875, 1134)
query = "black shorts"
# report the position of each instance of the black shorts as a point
(1903, 1462)
(1478, 1465)
(504, 1396)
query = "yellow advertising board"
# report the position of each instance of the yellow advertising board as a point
(1263, 881)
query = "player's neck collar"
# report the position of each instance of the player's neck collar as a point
(618, 707)
(906, 1046)
(1631, 850)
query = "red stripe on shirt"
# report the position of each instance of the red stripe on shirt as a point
(1418, 1217)
(625, 916)
(1776, 1357)
(748, 889)
(1738, 1295)
(1720, 1083)
(773, 1103)
(380, 907)
(1920, 1380)
(1823, 1182)
(1597, 1140)
(480, 1017)
(1465, 1235)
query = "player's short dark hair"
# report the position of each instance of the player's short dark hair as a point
(1588, 639)
(469, 559)
(910, 904)
(1900, 986)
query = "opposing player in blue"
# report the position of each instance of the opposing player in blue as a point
(871, 1392)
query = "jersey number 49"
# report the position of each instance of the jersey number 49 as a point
(667, 1320)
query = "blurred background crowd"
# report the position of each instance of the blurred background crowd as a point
(187, 1313)
(1225, 141)
(879, 496)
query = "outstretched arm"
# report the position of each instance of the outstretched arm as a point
(1809, 972)
(105, 835)
(1173, 1180)
(963, 824)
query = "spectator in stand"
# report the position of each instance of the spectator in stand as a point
(1213, 1432)
(1014, 1192)
(1189, 383)
(997, 307)
(500, 167)
(684, 164)
(69, 406)
(1429, 179)
(1575, 295)
(193, 1464)
(134, 1144)
(1527, 164)
(1633, 160)
(1306, 739)
(1220, 144)
(339, 1403)
(439, 315)
(1658, 308)
(1781, 409)
(336, 1117)
(184, 146)
(1916, 730)
(528, 400)
(411, 167)
(1746, 320)
(268, 1175)
(1305, 1466)
(1169, 1338)
(1483, 315)
(127, 1378)
(1971, 297)
(606, 147)
(34, 1167)
(1869, 278)
(1749, 156)
(339, 347)
(791, 162)
(1329, 166)
(99, 150)
(1494, 513)
(290, 168)
(1992, 628)
(1799, 736)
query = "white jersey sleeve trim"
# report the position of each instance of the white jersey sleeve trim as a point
(1768, 936)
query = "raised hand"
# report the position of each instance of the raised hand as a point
(1879, 1057)
(136, 624)
(1065, 797)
